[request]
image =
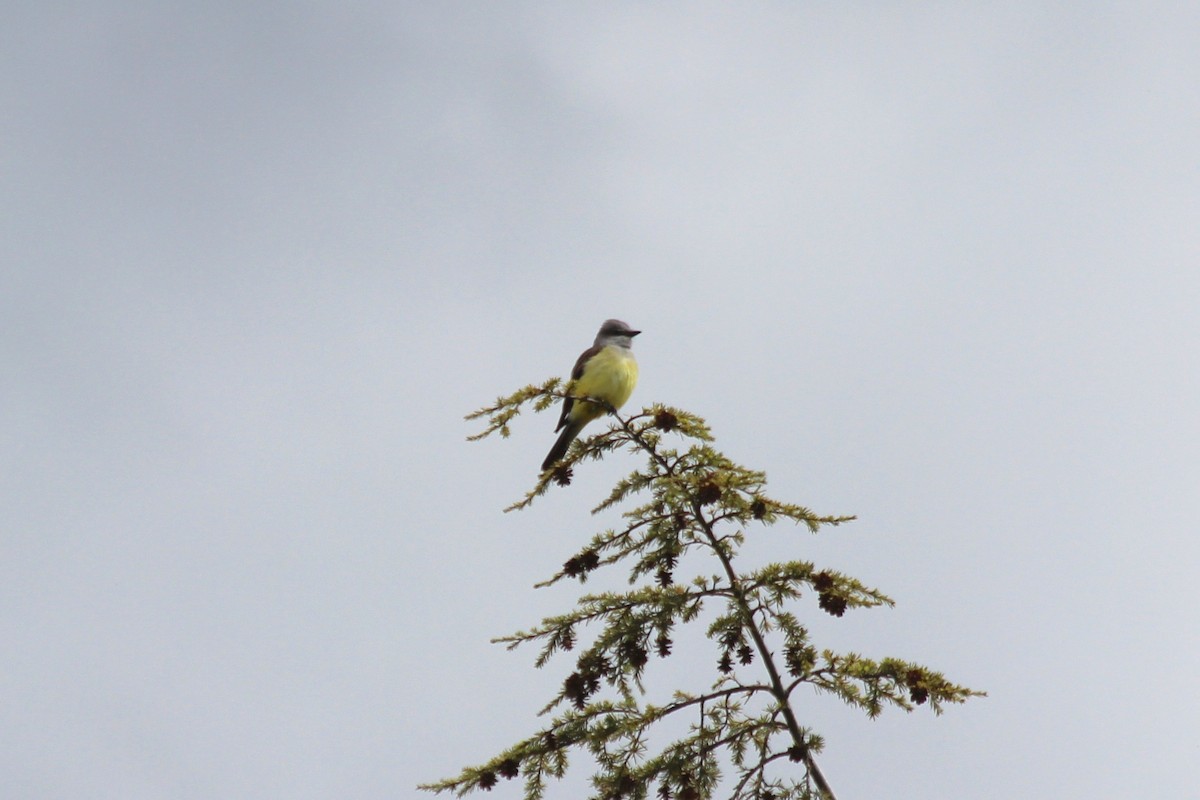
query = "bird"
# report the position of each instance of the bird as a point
(605, 371)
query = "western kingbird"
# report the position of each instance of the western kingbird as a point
(606, 371)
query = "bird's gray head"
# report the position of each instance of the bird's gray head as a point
(615, 332)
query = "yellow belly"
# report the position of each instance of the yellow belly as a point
(610, 375)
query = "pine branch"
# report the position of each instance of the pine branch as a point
(690, 499)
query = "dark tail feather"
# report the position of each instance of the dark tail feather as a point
(560, 447)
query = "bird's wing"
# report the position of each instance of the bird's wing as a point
(576, 374)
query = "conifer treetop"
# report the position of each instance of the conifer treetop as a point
(737, 734)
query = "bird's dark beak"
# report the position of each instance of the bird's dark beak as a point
(631, 334)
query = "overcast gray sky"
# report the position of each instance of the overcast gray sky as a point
(934, 264)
